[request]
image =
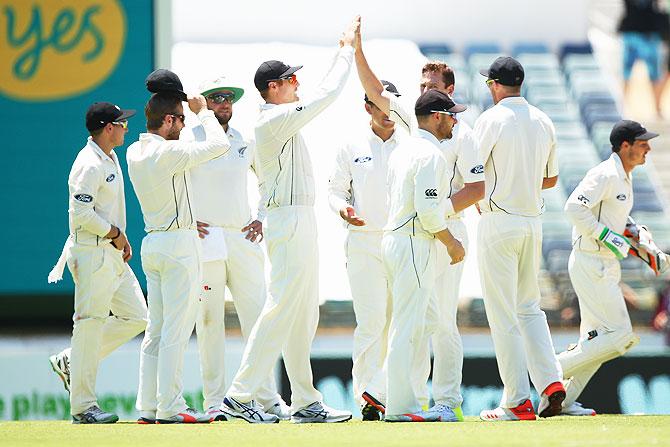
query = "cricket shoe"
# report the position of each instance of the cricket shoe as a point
(319, 412)
(576, 409)
(370, 413)
(147, 417)
(281, 410)
(60, 363)
(419, 416)
(215, 414)
(458, 412)
(374, 402)
(94, 415)
(523, 412)
(551, 400)
(251, 411)
(188, 416)
(445, 412)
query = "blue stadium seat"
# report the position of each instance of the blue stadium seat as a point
(481, 47)
(574, 48)
(529, 47)
(438, 49)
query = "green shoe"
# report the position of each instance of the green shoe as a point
(458, 411)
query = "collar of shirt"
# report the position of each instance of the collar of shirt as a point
(373, 137)
(150, 136)
(513, 100)
(618, 165)
(421, 133)
(100, 153)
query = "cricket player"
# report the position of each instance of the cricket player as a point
(97, 253)
(418, 207)
(237, 261)
(159, 166)
(358, 194)
(517, 145)
(599, 208)
(290, 316)
(466, 175)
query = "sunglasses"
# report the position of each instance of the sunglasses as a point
(293, 79)
(490, 81)
(123, 124)
(451, 114)
(177, 115)
(220, 98)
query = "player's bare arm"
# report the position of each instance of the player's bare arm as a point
(549, 182)
(469, 195)
(371, 84)
(454, 246)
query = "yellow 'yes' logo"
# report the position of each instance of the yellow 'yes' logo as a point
(53, 49)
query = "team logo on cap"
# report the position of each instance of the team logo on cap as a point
(58, 49)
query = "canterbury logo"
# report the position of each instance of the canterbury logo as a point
(431, 193)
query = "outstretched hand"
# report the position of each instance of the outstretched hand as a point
(349, 35)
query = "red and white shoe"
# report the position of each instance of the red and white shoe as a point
(551, 401)
(576, 409)
(523, 412)
(188, 416)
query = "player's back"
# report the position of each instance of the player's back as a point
(517, 145)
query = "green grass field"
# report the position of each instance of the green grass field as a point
(559, 431)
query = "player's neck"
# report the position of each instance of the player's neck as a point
(106, 146)
(382, 132)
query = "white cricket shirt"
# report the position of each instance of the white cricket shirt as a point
(517, 145)
(460, 151)
(159, 172)
(220, 195)
(417, 186)
(285, 169)
(96, 199)
(359, 179)
(602, 199)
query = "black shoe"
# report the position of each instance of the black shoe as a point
(370, 413)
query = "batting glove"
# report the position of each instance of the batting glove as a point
(615, 242)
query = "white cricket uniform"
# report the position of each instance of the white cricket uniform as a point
(417, 186)
(602, 199)
(291, 313)
(359, 181)
(463, 166)
(517, 145)
(221, 200)
(103, 281)
(171, 256)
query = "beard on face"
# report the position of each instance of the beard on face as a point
(223, 118)
(174, 132)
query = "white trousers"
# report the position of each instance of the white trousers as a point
(103, 283)
(409, 262)
(171, 262)
(290, 316)
(441, 327)
(244, 274)
(509, 253)
(605, 330)
(371, 294)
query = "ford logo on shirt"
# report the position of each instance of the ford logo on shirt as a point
(110, 177)
(84, 198)
(362, 159)
(477, 169)
(621, 197)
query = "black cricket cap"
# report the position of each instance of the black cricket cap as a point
(272, 71)
(165, 81)
(433, 101)
(627, 130)
(388, 86)
(99, 114)
(505, 70)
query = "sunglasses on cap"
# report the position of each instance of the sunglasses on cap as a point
(220, 98)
